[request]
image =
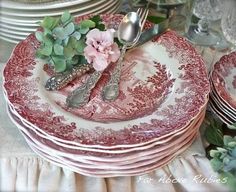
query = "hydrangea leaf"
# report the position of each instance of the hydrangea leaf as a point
(55, 23)
(227, 139)
(39, 36)
(83, 30)
(47, 32)
(69, 29)
(58, 41)
(48, 40)
(233, 126)
(59, 63)
(233, 152)
(87, 24)
(72, 42)
(230, 166)
(58, 49)
(226, 160)
(77, 35)
(222, 150)
(65, 17)
(49, 22)
(45, 50)
(65, 41)
(69, 52)
(214, 153)
(59, 33)
(216, 164)
(80, 46)
(232, 144)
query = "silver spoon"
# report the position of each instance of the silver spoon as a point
(129, 31)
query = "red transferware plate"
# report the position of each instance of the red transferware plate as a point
(168, 64)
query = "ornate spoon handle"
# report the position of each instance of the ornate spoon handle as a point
(111, 90)
(60, 80)
(80, 96)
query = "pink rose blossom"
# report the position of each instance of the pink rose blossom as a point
(101, 49)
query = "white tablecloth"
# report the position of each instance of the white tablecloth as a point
(22, 170)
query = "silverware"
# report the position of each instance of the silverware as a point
(111, 90)
(80, 96)
(129, 32)
(150, 33)
(60, 80)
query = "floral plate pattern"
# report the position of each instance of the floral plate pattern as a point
(24, 84)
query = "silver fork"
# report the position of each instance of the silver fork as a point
(143, 13)
(111, 90)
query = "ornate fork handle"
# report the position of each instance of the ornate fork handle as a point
(80, 96)
(111, 90)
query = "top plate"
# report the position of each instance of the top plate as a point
(25, 79)
(224, 78)
(40, 14)
(41, 6)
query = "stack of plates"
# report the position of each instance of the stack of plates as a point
(107, 148)
(223, 88)
(19, 19)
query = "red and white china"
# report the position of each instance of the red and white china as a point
(114, 168)
(223, 88)
(169, 54)
(164, 93)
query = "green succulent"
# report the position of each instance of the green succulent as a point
(63, 41)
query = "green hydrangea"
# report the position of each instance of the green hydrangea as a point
(63, 41)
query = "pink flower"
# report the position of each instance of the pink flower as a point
(101, 49)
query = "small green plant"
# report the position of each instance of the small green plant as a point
(223, 151)
(232, 126)
(214, 131)
(224, 160)
(63, 41)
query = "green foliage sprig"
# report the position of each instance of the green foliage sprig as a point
(224, 160)
(63, 41)
(223, 155)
